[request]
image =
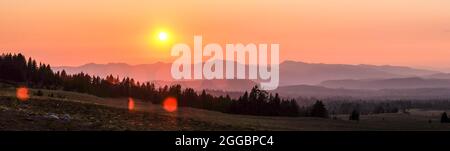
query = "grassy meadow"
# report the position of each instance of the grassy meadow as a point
(62, 110)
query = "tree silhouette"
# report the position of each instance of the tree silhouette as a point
(319, 110)
(354, 116)
(444, 118)
(17, 70)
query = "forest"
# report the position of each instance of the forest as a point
(16, 69)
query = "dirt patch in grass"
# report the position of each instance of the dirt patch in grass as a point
(48, 114)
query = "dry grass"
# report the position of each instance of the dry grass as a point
(415, 120)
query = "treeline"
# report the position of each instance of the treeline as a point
(369, 107)
(348, 106)
(259, 102)
(16, 68)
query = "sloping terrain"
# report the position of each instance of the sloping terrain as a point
(76, 111)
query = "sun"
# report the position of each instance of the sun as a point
(163, 36)
(161, 39)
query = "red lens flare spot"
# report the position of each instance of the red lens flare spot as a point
(170, 104)
(22, 94)
(130, 104)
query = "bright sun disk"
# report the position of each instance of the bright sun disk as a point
(163, 36)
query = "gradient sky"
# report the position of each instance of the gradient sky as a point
(398, 32)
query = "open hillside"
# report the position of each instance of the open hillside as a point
(60, 110)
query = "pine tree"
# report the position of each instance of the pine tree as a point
(354, 116)
(444, 118)
(319, 110)
(17, 70)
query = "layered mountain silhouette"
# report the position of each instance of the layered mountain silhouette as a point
(157, 73)
(301, 79)
(142, 72)
(439, 76)
(291, 72)
(223, 85)
(295, 73)
(362, 94)
(394, 83)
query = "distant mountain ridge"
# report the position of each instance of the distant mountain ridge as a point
(394, 83)
(291, 72)
(295, 73)
(157, 73)
(320, 92)
(235, 85)
(142, 72)
(439, 76)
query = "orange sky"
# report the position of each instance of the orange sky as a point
(399, 32)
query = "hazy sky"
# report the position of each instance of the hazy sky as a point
(399, 32)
